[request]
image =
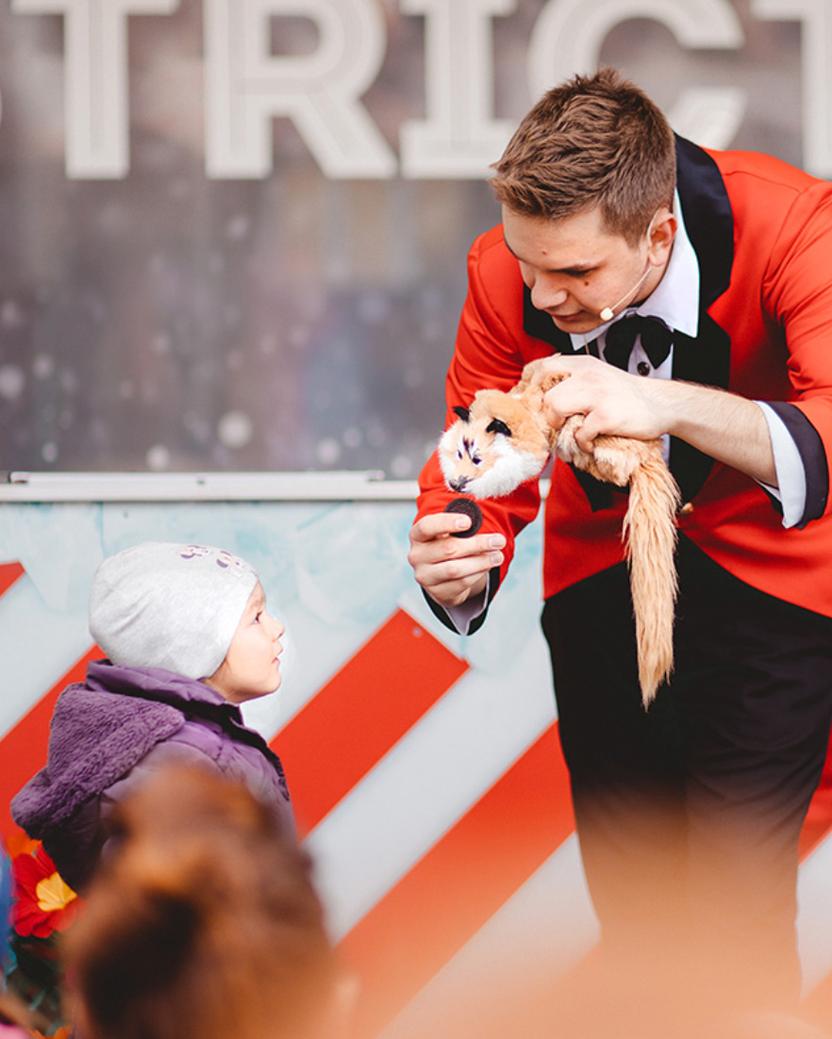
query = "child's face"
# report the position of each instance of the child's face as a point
(251, 667)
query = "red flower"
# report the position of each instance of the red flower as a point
(44, 903)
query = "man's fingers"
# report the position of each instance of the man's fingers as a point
(589, 429)
(541, 370)
(560, 365)
(562, 401)
(439, 550)
(432, 575)
(438, 524)
(449, 568)
(455, 593)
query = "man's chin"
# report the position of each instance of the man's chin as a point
(580, 322)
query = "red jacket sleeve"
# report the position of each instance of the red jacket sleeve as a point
(487, 356)
(797, 291)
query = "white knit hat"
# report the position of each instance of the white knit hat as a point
(172, 606)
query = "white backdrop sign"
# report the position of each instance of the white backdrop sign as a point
(233, 232)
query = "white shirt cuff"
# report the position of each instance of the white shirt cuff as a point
(791, 476)
(462, 617)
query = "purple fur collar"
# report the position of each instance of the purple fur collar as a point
(100, 730)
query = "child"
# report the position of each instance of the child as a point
(204, 922)
(188, 638)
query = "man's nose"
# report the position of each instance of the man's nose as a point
(546, 294)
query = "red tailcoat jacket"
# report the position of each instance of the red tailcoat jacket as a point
(762, 233)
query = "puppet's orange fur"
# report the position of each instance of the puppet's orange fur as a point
(487, 463)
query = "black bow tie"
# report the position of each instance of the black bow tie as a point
(656, 338)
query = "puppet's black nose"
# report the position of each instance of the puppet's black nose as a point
(459, 483)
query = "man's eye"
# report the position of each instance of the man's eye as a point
(578, 274)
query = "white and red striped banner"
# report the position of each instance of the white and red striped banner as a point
(425, 770)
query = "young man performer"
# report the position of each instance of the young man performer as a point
(687, 294)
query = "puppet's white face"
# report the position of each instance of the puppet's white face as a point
(481, 456)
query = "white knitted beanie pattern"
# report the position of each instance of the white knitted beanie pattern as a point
(161, 604)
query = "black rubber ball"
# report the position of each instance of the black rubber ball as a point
(467, 508)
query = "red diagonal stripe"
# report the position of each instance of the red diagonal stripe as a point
(461, 882)
(361, 712)
(9, 573)
(23, 748)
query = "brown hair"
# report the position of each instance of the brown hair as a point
(593, 140)
(203, 923)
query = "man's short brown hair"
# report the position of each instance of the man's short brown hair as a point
(593, 140)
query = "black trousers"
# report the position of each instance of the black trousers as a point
(688, 814)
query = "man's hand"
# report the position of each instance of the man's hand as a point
(725, 426)
(611, 401)
(450, 569)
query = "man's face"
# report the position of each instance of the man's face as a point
(574, 267)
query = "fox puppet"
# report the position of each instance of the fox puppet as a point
(504, 439)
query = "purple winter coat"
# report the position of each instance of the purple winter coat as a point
(109, 733)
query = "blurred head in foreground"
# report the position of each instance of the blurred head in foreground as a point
(16, 1021)
(205, 923)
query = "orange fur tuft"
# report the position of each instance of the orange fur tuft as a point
(489, 464)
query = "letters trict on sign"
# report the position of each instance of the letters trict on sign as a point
(246, 86)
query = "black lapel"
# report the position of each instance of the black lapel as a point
(598, 493)
(708, 218)
(707, 359)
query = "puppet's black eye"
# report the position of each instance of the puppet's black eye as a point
(461, 412)
(497, 425)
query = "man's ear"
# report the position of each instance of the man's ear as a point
(663, 229)
(461, 412)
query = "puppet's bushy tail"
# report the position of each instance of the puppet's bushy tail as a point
(650, 534)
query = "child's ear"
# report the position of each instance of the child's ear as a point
(462, 413)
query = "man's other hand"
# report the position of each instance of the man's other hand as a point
(452, 570)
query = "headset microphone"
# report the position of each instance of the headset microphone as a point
(608, 313)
